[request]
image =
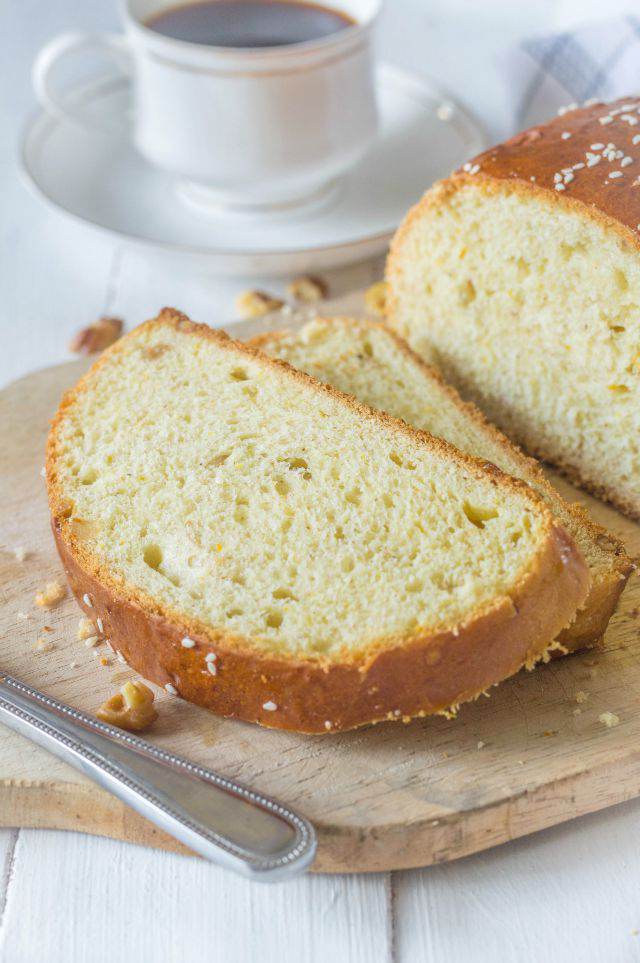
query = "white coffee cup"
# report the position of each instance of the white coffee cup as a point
(249, 128)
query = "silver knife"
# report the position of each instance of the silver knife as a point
(221, 820)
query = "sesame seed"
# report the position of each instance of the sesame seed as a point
(578, 167)
(187, 643)
(444, 112)
(615, 174)
(635, 139)
(593, 159)
(43, 472)
(565, 135)
(171, 689)
(87, 601)
(100, 625)
(559, 187)
(591, 102)
(328, 724)
(565, 110)
(605, 120)
(626, 161)
(597, 146)
(92, 641)
(629, 119)
(269, 706)
(568, 177)
(211, 666)
(210, 657)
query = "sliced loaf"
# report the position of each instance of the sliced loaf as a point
(519, 276)
(265, 546)
(370, 362)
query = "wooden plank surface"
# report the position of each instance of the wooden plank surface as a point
(387, 797)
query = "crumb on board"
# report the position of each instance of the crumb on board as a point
(44, 645)
(92, 640)
(481, 744)
(581, 696)
(20, 553)
(609, 719)
(86, 628)
(131, 708)
(22, 616)
(550, 732)
(51, 595)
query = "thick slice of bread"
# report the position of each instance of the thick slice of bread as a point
(271, 549)
(378, 368)
(519, 276)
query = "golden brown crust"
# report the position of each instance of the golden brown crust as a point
(425, 675)
(593, 617)
(528, 164)
(393, 678)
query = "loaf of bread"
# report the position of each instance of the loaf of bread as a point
(370, 362)
(264, 545)
(519, 276)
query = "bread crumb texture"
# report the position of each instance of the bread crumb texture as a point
(529, 305)
(366, 360)
(250, 500)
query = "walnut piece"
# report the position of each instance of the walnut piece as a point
(609, 719)
(52, 593)
(308, 289)
(255, 304)
(375, 298)
(97, 336)
(131, 709)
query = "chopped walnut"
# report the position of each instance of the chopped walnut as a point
(97, 336)
(375, 298)
(255, 304)
(609, 719)
(52, 593)
(131, 709)
(308, 289)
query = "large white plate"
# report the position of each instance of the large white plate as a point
(98, 177)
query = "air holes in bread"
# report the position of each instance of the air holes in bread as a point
(284, 593)
(152, 556)
(478, 516)
(274, 619)
(89, 476)
(466, 292)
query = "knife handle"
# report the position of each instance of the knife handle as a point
(217, 818)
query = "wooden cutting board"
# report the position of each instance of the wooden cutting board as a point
(387, 797)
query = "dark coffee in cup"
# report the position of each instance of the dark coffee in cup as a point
(249, 23)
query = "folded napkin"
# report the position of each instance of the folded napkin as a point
(599, 61)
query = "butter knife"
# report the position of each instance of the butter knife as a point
(221, 820)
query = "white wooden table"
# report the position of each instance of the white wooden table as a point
(569, 894)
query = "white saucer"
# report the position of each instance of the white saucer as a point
(99, 178)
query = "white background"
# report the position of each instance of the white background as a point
(568, 894)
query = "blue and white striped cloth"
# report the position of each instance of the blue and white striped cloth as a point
(598, 61)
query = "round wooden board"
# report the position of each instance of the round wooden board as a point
(388, 797)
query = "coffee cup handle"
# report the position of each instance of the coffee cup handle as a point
(114, 46)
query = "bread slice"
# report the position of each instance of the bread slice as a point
(377, 367)
(519, 276)
(265, 546)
